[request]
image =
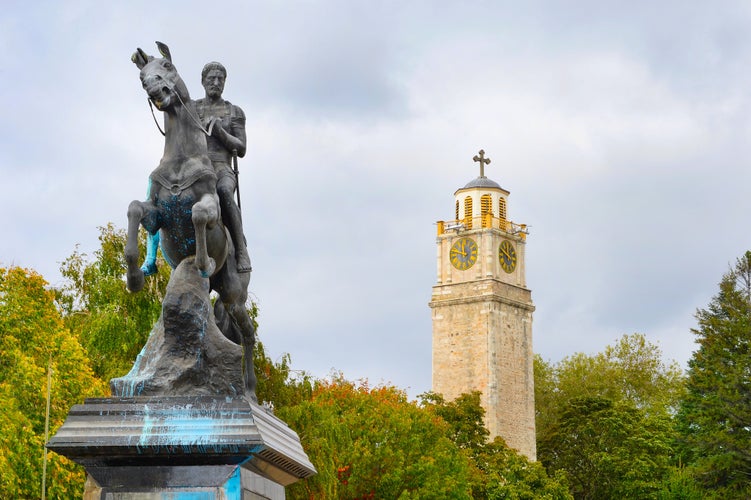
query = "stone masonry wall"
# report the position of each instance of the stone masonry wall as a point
(482, 340)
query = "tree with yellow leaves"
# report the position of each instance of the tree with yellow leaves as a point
(33, 336)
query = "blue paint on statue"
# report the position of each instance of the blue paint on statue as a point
(186, 429)
(134, 386)
(233, 487)
(152, 244)
(174, 212)
(192, 495)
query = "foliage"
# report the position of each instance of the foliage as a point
(626, 387)
(111, 322)
(680, 485)
(609, 449)
(278, 385)
(464, 416)
(497, 472)
(715, 416)
(511, 476)
(631, 370)
(373, 443)
(33, 337)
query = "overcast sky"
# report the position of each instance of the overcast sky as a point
(621, 130)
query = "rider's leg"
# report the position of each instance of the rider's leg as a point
(233, 220)
(152, 245)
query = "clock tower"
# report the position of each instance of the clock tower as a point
(482, 312)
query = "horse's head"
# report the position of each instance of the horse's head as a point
(160, 79)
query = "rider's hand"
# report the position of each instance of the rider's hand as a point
(218, 129)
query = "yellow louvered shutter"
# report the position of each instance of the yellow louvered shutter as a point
(502, 212)
(486, 210)
(468, 212)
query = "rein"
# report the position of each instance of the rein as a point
(151, 106)
(194, 118)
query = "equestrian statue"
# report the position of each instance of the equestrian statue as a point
(184, 208)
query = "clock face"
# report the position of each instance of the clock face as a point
(463, 253)
(507, 256)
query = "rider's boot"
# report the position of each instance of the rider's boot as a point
(152, 245)
(232, 219)
(241, 253)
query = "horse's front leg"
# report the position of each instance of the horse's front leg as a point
(205, 214)
(136, 212)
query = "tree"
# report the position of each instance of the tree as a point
(497, 472)
(511, 476)
(680, 485)
(111, 322)
(373, 443)
(628, 386)
(609, 449)
(464, 415)
(715, 416)
(632, 369)
(33, 337)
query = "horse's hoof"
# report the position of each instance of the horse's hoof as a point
(149, 268)
(135, 281)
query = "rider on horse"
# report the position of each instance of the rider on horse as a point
(227, 125)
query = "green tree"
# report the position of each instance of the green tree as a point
(680, 485)
(630, 370)
(34, 336)
(497, 472)
(633, 387)
(715, 416)
(511, 476)
(609, 449)
(464, 415)
(373, 443)
(111, 322)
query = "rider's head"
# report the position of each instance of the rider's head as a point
(212, 79)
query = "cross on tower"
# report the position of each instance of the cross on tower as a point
(483, 161)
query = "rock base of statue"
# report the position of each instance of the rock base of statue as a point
(186, 353)
(145, 448)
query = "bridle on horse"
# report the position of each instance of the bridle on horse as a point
(192, 117)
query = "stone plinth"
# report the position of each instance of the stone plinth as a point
(208, 447)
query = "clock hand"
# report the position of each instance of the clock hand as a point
(462, 251)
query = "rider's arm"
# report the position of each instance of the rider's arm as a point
(234, 138)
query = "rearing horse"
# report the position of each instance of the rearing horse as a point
(184, 207)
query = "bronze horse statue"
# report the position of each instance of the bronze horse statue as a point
(183, 206)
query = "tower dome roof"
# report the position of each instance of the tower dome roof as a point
(482, 182)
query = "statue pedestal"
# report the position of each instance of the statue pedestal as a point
(181, 447)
